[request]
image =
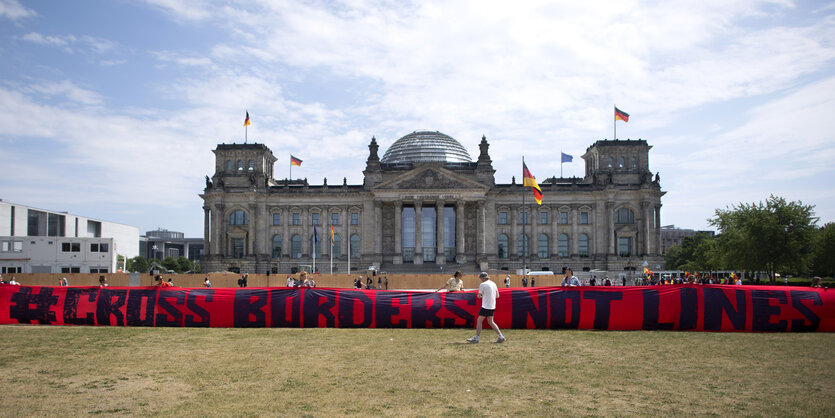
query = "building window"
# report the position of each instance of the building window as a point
(624, 246)
(583, 245)
(634, 162)
(98, 248)
(71, 270)
(276, 246)
(314, 219)
(523, 246)
(355, 219)
(229, 166)
(296, 219)
(276, 219)
(502, 218)
(523, 218)
(336, 249)
(4, 246)
(296, 246)
(250, 165)
(237, 247)
(334, 218)
(624, 216)
(237, 217)
(355, 246)
(543, 218)
(621, 162)
(564, 218)
(562, 246)
(584, 218)
(611, 162)
(503, 246)
(70, 247)
(240, 165)
(542, 246)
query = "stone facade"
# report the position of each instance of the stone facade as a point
(608, 220)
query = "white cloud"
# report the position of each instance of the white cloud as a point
(11, 9)
(41, 39)
(182, 59)
(68, 90)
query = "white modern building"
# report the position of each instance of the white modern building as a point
(35, 240)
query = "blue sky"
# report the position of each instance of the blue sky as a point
(110, 109)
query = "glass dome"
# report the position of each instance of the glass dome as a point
(426, 146)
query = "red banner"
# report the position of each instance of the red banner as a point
(678, 307)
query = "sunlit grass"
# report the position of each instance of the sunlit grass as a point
(323, 372)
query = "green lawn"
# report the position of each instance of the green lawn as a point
(324, 372)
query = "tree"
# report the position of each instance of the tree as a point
(184, 265)
(696, 253)
(170, 263)
(770, 236)
(138, 264)
(823, 254)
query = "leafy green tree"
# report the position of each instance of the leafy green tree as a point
(823, 255)
(184, 265)
(139, 264)
(770, 236)
(696, 253)
(170, 263)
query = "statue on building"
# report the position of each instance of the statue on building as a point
(208, 183)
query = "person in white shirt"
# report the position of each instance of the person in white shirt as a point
(14, 282)
(290, 281)
(488, 293)
(570, 279)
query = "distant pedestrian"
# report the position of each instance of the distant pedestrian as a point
(507, 281)
(206, 282)
(593, 281)
(524, 281)
(379, 282)
(488, 293)
(63, 282)
(533, 281)
(387, 282)
(14, 282)
(103, 281)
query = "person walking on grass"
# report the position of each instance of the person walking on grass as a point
(488, 293)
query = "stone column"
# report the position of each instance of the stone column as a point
(610, 227)
(657, 230)
(459, 231)
(418, 242)
(346, 231)
(398, 233)
(440, 256)
(206, 231)
(220, 229)
(378, 234)
(573, 240)
(645, 245)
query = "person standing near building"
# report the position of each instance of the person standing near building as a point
(14, 282)
(570, 279)
(524, 281)
(63, 282)
(454, 284)
(533, 281)
(206, 282)
(488, 293)
(507, 281)
(387, 282)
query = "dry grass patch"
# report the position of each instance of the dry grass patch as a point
(324, 372)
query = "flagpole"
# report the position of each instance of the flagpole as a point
(524, 222)
(561, 163)
(615, 119)
(246, 133)
(331, 249)
(315, 241)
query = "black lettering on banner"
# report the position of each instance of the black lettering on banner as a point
(762, 310)
(798, 296)
(74, 294)
(191, 304)
(523, 306)
(602, 306)
(558, 308)
(169, 310)
(651, 302)
(282, 302)
(318, 303)
(348, 300)
(384, 309)
(134, 311)
(249, 308)
(716, 303)
(449, 304)
(27, 307)
(689, 315)
(425, 307)
(109, 304)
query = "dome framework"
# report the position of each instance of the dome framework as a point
(426, 146)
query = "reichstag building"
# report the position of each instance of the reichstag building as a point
(426, 205)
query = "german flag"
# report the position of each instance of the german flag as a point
(246, 121)
(530, 181)
(621, 115)
(295, 161)
(333, 238)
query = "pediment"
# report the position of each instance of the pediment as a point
(430, 178)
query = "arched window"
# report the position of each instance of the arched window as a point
(355, 246)
(337, 246)
(276, 245)
(240, 165)
(296, 246)
(611, 162)
(502, 246)
(562, 246)
(624, 216)
(523, 247)
(316, 244)
(621, 162)
(634, 162)
(583, 245)
(250, 165)
(229, 166)
(238, 217)
(542, 246)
